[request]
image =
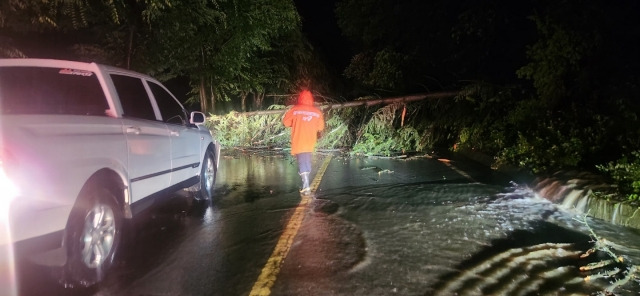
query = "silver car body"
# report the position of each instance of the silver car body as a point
(48, 158)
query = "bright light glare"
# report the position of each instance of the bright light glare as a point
(8, 189)
(8, 192)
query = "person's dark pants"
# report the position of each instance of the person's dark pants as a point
(304, 169)
(304, 162)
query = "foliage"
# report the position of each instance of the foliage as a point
(626, 172)
(545, 84)
(381, 135)
(482, 110)
(529, 151)
(226, 48)
(396, 51)
(580, 109)
(345, 128)
(384, 71)
(337, 133)
(103, 31)
(559, 57)
(222, 45)
(514, 127)
(237, 130)
(10, 51)
(43, 15)
(434, 45)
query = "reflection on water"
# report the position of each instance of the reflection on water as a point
(457, 237)
(443, 233)
(539, 252)
(250, 177)
(419, 228)
(544, 260)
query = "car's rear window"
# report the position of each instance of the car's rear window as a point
(37, 90)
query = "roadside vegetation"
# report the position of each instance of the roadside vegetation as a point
(545, 86)
(509, 124)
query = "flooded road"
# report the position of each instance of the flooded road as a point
(421, 226)
(434, 227)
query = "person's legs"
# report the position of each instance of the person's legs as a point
(305, 182)
(304, 162)
(304, 169)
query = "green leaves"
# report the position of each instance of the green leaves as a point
(557, 59)
(224, 46)
(236, 130)
(384, 70)
(382, 135)
(626, 172)
(227, 48)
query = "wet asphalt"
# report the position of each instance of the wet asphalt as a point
(374, 226)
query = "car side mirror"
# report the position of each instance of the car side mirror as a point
(197, 118)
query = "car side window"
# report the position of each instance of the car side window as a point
(170, 109)
(133, 97)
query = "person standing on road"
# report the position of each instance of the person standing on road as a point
(305, 121)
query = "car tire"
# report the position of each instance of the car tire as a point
(208, 173)
(93, 235)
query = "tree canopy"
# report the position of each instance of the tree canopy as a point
(226, 48)
(542, 83)
(561, 46)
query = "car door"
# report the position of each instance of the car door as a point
(148, 139)
(185, 138)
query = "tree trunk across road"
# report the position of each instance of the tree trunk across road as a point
(391, 100)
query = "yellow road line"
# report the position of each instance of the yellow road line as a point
(316, 181)
(270, 271)
(448, 163)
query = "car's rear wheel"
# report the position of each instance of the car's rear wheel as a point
(94, 233)
(208, 173)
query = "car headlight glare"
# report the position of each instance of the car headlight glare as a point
(8, 189)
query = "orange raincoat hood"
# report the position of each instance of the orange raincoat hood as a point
(305, 98)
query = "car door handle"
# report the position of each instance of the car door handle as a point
(133, 130)
(175, 133)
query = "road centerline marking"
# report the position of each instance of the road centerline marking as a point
(269, 274)
(457, 170)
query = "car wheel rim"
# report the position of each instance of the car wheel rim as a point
(209, 174)
(98, 235)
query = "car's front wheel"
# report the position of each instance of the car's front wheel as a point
(94, 233)
(208, 173)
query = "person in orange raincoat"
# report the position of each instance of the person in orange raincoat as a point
(305, 121)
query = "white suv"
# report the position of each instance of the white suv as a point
(83, 148)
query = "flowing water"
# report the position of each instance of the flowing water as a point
(387, 227)
(454, 236)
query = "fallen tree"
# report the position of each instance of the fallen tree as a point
(369, 102)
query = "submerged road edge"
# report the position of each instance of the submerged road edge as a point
(269, 274)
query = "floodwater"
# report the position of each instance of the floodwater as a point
(419, 226)
(441, 227)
